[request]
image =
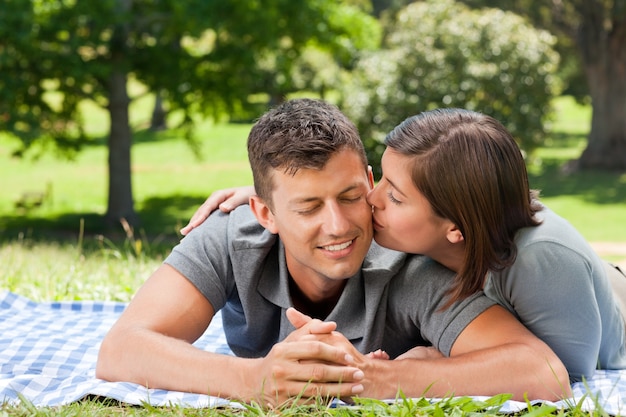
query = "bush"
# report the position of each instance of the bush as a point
(439, 53)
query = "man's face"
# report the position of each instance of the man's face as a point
(324, 221)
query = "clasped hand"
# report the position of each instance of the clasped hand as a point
(314, 361)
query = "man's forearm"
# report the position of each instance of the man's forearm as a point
(301, 369)
(158, 361)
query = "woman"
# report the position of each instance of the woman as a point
(455, 188)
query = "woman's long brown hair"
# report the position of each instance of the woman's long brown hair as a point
(472, 172)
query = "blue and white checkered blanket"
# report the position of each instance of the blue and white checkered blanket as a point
(48, 355)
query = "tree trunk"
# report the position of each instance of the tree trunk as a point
(158, 121)
(120, 203)
(604, 60)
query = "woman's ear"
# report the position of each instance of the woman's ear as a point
(263, 213)
(454, 234)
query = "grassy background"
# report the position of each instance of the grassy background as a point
(58, 251)
(169, 182)
(594, 202)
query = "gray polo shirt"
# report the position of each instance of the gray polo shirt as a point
(558, 288)
(240, 268)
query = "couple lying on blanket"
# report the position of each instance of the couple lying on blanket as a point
(488, 292)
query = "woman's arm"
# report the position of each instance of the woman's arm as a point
(551, 289)
(226, 200)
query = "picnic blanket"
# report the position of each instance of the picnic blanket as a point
(48, 354)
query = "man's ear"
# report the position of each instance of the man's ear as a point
(453, 234)
(370, 176)
(263, 214)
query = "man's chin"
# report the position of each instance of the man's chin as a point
(344, 273)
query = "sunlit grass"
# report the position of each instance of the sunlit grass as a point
(594, 202)
(401, 407)
(169, 182)
(45, 271)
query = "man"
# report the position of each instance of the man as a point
(305, 241)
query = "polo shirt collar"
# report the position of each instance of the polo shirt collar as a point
(356, 308)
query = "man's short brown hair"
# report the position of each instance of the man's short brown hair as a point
(300, 133)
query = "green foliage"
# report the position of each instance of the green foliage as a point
(561, 20)
(169, 183)
(312, 59)
(56, 54)
(443, 54)
(203, 58)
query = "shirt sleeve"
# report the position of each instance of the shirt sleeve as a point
(203, 258)
(550, 288)
(416, 310)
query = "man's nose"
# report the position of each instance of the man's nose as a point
(336, 221)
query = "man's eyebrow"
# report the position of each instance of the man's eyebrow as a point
(305, 200)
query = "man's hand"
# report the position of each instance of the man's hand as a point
(378, 354)
(307, 325)
(304, 365)
(226, 200)
(308, 329)
(302, 370)
(371, 385)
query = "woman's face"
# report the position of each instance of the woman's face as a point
(403, 218)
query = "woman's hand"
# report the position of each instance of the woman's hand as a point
(421, 352)
(226, 200)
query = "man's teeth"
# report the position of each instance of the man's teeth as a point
(337, 247)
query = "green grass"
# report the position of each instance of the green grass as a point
(67, 271)
(594, 202)
(402, 407)
(169, 182)
(58, 251)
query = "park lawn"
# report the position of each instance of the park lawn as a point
(170, 181)
(594, 202)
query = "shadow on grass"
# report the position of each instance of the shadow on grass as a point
(592, 186)
(142, 135)
(565, 140)
(161, 219)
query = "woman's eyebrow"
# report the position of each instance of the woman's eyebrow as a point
(395, 186)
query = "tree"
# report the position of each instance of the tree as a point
(200, 56)
(315, 66)
(597, 29)
(600, 33)
(440, 53)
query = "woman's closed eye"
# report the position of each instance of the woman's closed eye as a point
(392, 198)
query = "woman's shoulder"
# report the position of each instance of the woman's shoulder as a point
(554, 245)
(553, 230)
